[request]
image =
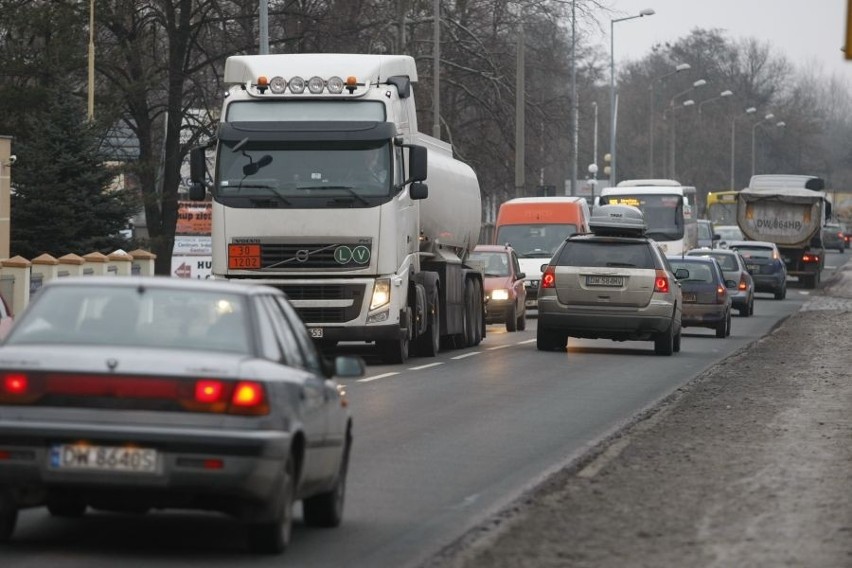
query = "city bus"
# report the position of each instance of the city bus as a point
(668, 208)
(722, 207)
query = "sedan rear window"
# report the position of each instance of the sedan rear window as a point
(754, 252)
(601, 254)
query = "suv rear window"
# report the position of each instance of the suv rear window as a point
(597, 254)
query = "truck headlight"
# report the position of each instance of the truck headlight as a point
(381, 293)
(499, 295)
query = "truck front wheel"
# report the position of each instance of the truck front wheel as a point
(395, 351)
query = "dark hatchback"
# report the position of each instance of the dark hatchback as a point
(764, 263)
(706, 301)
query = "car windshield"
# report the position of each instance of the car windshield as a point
(490, 263)
(729, 233)
(137, 316)
(535, 241)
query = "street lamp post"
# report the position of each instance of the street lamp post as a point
(770, 116)
(686, 104)
(721, 95)
(678, 69)
(749, 110)
(612, 112)
(695, 85)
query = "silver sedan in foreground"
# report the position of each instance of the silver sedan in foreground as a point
(127, 394)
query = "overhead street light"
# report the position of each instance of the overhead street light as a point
(677, 69)
(721, 95)
(685, 104)
(749, 110)
(695, 85)
(766, 118)
(612, 112)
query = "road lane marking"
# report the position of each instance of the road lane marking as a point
(377, 377)
(527, 341)
(465, 355)
(498, 347)
(421, 367)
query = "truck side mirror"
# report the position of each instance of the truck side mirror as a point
(418, 191)
(197, 173)
(417, 163)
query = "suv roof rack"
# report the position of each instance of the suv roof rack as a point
(618, 221)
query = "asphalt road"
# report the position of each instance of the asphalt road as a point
(439, 445)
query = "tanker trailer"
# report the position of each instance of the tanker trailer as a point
(788, 210)
(318, 190)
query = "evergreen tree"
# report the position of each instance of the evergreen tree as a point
(62, 201)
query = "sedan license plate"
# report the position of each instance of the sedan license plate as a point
(103, 458)
(315, 332)
(690, 297)
(594, 280)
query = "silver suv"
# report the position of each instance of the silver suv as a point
(615, 284)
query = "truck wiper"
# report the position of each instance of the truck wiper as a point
(271, 188)
(347, 188)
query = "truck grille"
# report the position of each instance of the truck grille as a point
(318, 314)
(312, 256)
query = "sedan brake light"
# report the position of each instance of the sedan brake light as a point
(207, 392)
(661, 282)
(548, 279)
(15, 384)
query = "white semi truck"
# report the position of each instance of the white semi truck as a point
(318, 190)
(790, 211)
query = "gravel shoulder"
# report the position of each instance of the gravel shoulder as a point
(748, 465)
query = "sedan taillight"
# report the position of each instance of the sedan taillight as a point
(721, 293)
(742, 285)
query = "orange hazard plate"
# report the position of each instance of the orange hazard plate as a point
(243, 256)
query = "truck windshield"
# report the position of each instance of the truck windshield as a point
(664, 214)
(535, 241)
(303, 175)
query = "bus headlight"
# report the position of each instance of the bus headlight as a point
(381, 293)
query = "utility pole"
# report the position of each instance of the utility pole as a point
(91, 101)
(520, 102)
(264, 26)
(436, 70)
(574, 106)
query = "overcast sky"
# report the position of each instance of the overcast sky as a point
(809, 32)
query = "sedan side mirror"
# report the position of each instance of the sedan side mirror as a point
(731, 284)
(348, 366)
(520, 275)
(543, 267)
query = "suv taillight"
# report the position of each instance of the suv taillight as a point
(661, 282)
(548, 279)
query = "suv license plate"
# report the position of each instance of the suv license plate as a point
(690, 297)
(604, 280)
(103, 458)
(315, 332)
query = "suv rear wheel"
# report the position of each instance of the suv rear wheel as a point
(664, 342)
(549, 340)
